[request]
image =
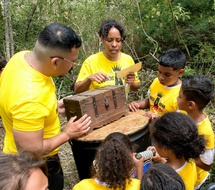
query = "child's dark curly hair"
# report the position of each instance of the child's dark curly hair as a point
(199, 89)
(178, 133)
(113, 161)
(161, 177)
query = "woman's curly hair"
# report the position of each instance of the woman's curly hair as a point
(107, 25)
(113, 162)
(179, 133)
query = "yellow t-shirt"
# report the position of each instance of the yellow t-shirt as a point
(91, 184)
(163, 99)
(28, 102)
(188, 174)
(99, 63)
(205, 128)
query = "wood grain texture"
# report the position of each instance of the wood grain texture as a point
(129, 124)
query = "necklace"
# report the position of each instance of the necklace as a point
(27, 59)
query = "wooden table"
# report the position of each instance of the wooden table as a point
(135, 125)
(129, 124)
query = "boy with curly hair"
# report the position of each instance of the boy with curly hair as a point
(195, 93)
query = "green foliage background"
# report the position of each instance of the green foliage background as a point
(152, 27)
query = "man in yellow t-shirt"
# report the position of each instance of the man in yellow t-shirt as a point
(163, 92)
(29, 106)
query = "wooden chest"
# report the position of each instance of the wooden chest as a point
(104, 105)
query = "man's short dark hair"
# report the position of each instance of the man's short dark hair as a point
(59, 36)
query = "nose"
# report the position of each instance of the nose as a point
(161, 77)
(114, 44)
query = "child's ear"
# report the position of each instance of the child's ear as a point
(192, 105)
(181, 72)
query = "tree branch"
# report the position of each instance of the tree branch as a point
(177, 29)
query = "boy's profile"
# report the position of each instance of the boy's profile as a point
(195, 93)
(163, 91)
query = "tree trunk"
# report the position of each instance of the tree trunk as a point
(8, 30)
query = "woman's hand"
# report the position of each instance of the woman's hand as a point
(130, 78)
(98, 77)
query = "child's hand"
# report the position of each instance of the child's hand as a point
(138, 162)
(139, 165)
(157, 157)
(151, 115)
(133, 106)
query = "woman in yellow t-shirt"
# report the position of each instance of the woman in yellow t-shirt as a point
(99, 69)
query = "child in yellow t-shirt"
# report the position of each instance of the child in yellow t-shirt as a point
(177, 143)
(161, 176)
(163, 92)
(113, 166)
(196, 92)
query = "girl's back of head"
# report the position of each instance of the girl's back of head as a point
(161, 177)
(113, 161)
(178, 133)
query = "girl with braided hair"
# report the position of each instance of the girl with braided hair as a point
(161, 177)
